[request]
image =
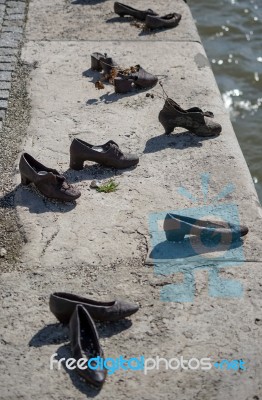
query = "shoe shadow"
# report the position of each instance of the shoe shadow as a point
(189, 247)
(94, 172)
(28, 197)
(63, 353)
(178, 141)
(59, 333)
(94, 75)
(109, 329)
(120, 20)
(114, 97)
(108, 97)
(50, 334)
(150, 32)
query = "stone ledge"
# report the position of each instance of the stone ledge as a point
(5, 85)
(3, 104)
(7, 59)
(2, 115)
(96, 20)
(7, 66)
(5, 76)
(4, 94)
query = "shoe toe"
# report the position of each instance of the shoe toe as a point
(134, 158)
(77, 194)
(128, 309)
(211, 128)
(73, 194)
(243, 230)
(154, 80)
(99, 378)
(178, 17)
(131, 159)
(217, 128)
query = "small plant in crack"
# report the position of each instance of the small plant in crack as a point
(108, 187)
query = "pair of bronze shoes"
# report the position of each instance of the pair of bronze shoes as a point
(123, 79)
(152, 19)
(53, 185)
(80, 313)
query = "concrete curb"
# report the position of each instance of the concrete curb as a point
(12, 20)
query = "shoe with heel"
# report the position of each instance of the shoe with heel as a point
(107, 154)
(140, 79)
(47, 180)
(124, 80)
(101, 62)
(194, 119)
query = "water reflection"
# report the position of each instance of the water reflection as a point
(231, 31)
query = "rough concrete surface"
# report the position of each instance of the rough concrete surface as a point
(13, 119)
(98, 246)
(54, 20)
(16, 122)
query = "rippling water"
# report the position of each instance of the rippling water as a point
(231, 32)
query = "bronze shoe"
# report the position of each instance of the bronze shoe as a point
(47, 180)
(124, 79)
(62, 305)
(194, 119)
(122, 10)
(167, 21)
(140, 79)
(176, 227)
(101, 62)
(85, 345)
(107, 154)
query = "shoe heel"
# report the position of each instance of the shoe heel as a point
(123, 85)
(95, 64)
(167, 124)
(76, 164)
(24, 180)
(118, 9)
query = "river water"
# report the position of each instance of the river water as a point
(231, 32)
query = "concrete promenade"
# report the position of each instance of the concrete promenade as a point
(101, 246)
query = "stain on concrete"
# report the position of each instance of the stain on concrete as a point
(201, 61)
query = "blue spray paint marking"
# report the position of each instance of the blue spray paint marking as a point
(188, 256)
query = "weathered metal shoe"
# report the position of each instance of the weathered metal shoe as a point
(140, 79)
(101, 62)
(122, 10)
(107, 154)
(167, 21)
(176, 227)
(194, 119)
(62, 305)
(47, 180)
(124, 79)
(85, 346)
